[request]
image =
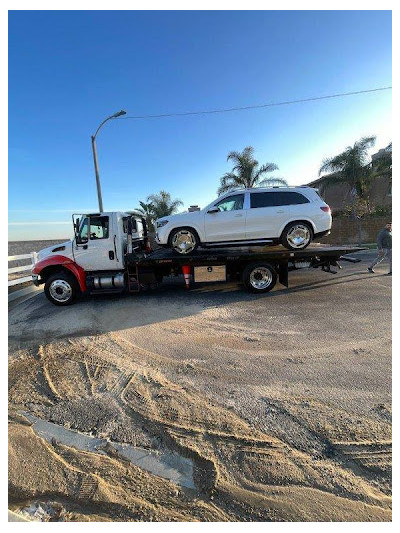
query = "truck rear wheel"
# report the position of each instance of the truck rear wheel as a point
(61, 288)
(259, 277)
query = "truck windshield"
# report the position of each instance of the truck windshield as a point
(82, 235)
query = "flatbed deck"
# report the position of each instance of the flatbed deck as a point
(211, 255)
(259, 268)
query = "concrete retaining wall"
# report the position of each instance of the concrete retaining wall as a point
(345, 230)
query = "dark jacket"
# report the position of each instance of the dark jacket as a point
(384, 239)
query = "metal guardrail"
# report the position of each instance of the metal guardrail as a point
(14, 295)
(23, 268)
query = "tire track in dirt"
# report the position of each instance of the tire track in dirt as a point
(230, 456)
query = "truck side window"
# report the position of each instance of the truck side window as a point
(232, 203)
(139, 227)
(98, 228)
(134, 222)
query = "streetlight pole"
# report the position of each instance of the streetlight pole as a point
(96, 163)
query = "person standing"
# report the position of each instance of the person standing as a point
(384, 242)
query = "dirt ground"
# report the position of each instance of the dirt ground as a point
(282, 401)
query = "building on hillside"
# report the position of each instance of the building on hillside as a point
(379, 154)
(339, 195)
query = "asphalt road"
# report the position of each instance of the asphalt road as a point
(350, 305)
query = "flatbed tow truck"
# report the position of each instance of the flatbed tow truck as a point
(110, 254)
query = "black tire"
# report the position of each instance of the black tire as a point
(192, 244)
(259, 277)
(64, 292)
(305, 235)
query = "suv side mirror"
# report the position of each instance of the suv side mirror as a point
(213, 210)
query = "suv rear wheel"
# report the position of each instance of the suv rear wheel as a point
(61, 288)
(297, 235)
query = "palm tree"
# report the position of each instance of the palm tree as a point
(382, 166)
(163, 205)
(147, 210)
(246, 172)
(350, 167)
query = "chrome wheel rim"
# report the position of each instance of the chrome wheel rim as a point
(183, 242)
(261, 278)
(299, 236)
(60, 290)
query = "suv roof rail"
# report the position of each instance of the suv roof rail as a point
(239, 189)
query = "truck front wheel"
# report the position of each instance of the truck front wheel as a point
(61, 288)
(259, 277)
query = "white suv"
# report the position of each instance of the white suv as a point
(292, 216)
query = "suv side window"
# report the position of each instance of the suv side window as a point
(232, 203)
(98, 228)
(276, 198)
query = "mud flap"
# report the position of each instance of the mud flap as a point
(283, 274)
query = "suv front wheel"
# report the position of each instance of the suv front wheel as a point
(184, 241)
(297, 235)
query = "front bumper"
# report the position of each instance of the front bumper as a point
(162, 235)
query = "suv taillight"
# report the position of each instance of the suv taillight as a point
(326, 208)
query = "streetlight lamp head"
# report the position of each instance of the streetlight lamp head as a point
(119, 114)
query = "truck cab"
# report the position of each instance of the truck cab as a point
(95, 259)
(102, 239)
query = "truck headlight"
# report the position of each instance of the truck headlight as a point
(162, 223)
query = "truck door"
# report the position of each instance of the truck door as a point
(95, 246)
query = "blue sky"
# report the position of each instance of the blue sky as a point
(70, 69)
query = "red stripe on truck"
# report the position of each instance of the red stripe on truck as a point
(66, 262)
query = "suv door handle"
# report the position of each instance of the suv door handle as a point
(238, 215)
(280, 211)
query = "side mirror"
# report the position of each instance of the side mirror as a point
(80, 240)
(76, 225)
(213, 210)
